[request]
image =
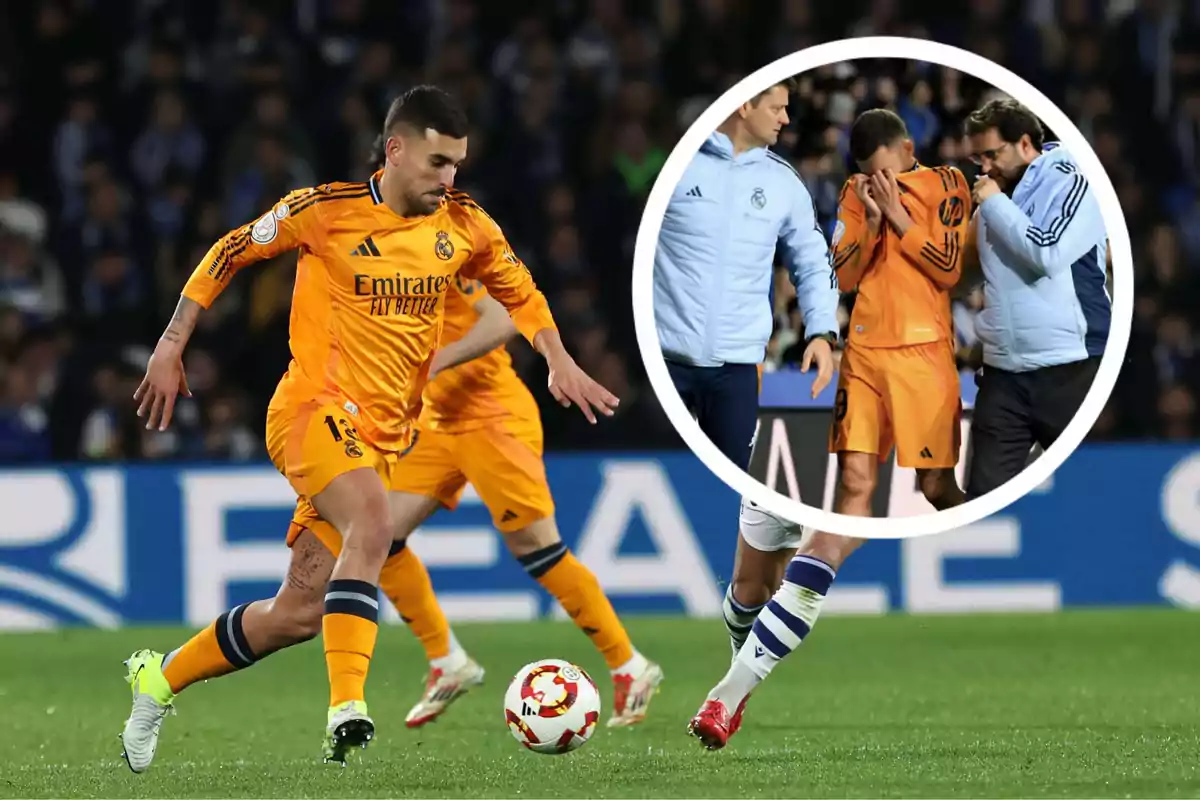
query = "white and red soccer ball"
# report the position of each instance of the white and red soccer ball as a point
(552, 706)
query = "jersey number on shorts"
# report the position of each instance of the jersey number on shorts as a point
(839, 405)
(347, 434)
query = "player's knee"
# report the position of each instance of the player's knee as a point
(857, 480)
(296, 617)
(931, 483)
(830, 548)
(536, 536)
(939, 486)
(370, 531)
(305, 623)
(751, 591)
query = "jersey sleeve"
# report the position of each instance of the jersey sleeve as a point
(806, 254)
(853, 243)
(291, 223)
(506, 278)
(972, 273)
(1070, 226)
(936, 248)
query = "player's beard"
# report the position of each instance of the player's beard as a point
(1008, 182)
(428, 202)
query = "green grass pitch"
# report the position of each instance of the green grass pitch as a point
(1080, 704)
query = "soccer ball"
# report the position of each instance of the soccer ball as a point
(552, 706)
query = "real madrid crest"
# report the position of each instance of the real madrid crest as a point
(758, 198)
(443, 247)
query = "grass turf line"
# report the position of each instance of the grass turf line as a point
(1078, 704)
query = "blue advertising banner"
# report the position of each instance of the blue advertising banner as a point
(791, 388)
(107, 546)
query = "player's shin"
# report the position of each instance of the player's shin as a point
(739, 618)
(350, 627)
(225, 646)
(577, 590)
(452, 672)
(779, 629)
(356, 505)
(406, 583)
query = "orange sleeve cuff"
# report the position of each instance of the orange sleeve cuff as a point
(533, 316)
(201, 288)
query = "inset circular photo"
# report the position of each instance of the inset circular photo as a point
(824, 310)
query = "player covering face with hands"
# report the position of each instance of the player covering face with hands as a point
(899, 241)
(376, 261)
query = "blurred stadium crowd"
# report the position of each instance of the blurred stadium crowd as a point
(133, 133)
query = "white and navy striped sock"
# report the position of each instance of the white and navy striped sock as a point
(780, 628)
(739, 619)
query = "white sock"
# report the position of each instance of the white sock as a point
(634, 666)
(454, 660)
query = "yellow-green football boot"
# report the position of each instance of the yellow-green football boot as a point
(152, 701)
(349, 726)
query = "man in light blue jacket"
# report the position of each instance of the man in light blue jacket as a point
(713, 269)
(1042, 247)
(736, 206)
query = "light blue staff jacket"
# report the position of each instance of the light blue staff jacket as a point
(714, 262)
(1043, 254)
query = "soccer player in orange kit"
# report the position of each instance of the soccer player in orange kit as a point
(899, 239)
(480, 424)
(376, 262)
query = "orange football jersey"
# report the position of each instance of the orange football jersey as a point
(479, 391)
(904, 282)
(370, 294)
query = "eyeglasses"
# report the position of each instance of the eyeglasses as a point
(990, 155)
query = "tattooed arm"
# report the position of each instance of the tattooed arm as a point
(164, 379)
(182, 323)
(280, 229)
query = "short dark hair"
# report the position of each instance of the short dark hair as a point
(424, 107)
(419, 108)
(791, 84)
(874, 129)
(1010, 119)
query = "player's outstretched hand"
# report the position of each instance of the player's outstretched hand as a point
(819, 350)
(164, 382)
(571, 385)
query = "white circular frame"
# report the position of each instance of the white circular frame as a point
(643, 287)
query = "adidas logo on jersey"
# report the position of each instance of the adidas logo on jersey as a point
(509, 516)
(926, 454)
(694, 192)
(367, 248)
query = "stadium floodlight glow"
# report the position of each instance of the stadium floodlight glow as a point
(850, 50)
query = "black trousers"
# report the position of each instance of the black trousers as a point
(724, 401)
(1016, 410)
